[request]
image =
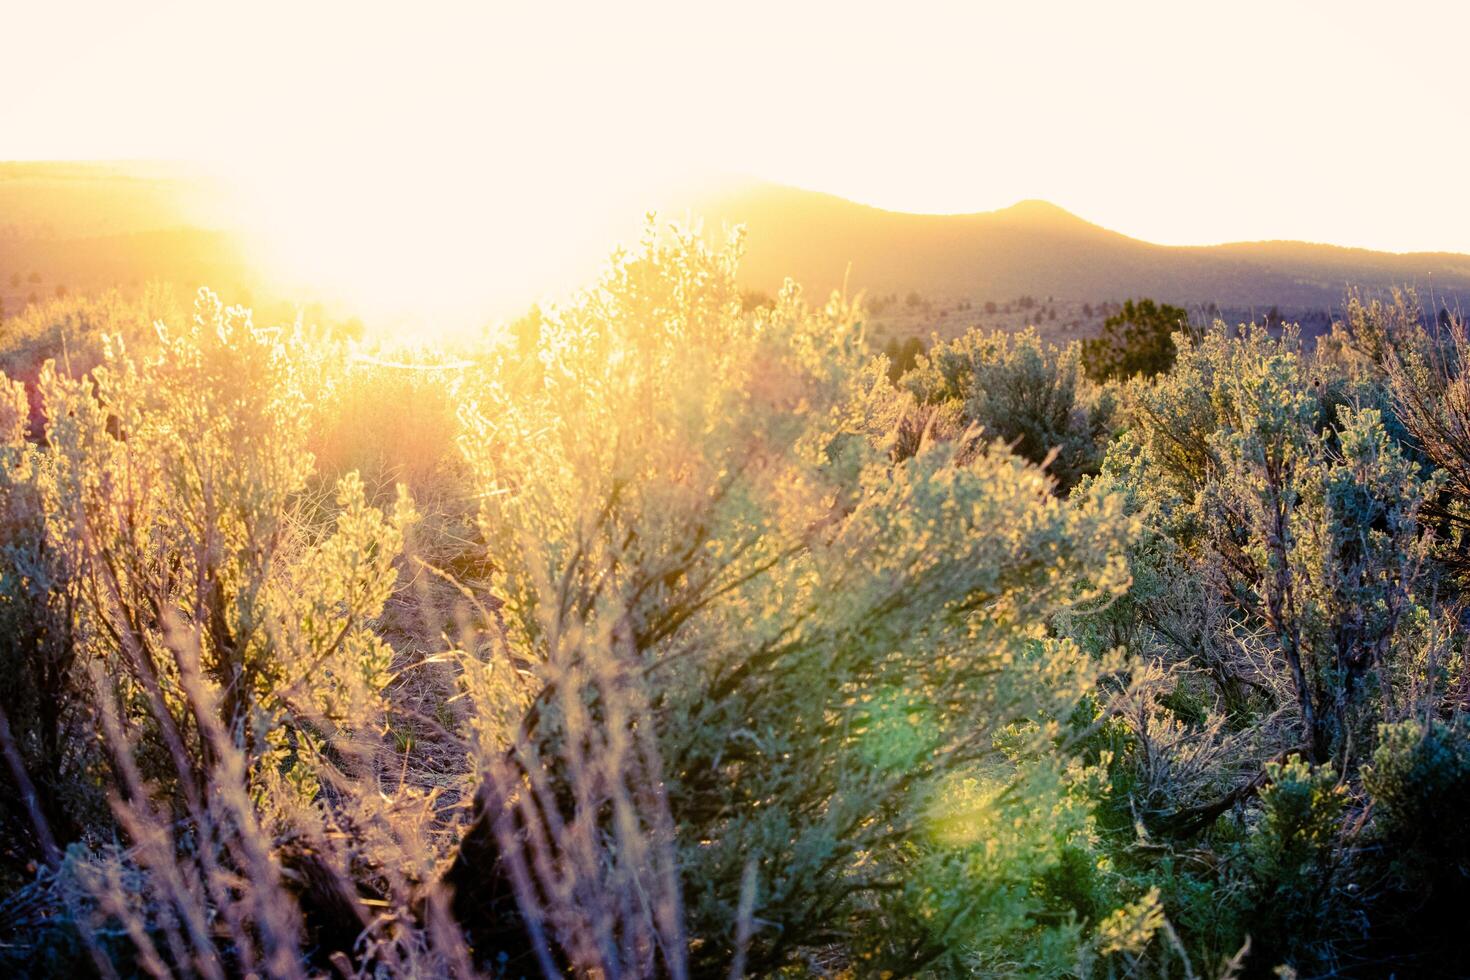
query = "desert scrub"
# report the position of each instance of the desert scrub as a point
(1292, 861)
(1288, 593)
(43, 723)
(1029, 394)
(752, 660)
(219, 648)
(71, 330)
(756, 656)
(178, 476)
(1419, 784)
(1295, 526)
(392, 417)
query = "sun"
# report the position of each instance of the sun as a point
(427, 247)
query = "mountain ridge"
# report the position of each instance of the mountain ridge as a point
(88, 226)
(1035, 247)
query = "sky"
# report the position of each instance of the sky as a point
(518, 127)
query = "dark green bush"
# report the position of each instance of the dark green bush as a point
(1138, 340)
(1416, 863)
(1291, 857)
(1419, 781)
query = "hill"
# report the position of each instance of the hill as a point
(89, 227)
(1038, 249)
(84, 228)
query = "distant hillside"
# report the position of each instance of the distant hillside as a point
(192, 256)
(1035, 248)
(91, 227)
(62, 200)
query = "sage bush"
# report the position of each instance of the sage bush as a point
(670, 634)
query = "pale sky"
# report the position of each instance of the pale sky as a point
(1177, 122)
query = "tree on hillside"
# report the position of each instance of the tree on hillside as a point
(754, 299)
(1136, 340)
(902, 356)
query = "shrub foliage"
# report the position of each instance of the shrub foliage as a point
(724, 648)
